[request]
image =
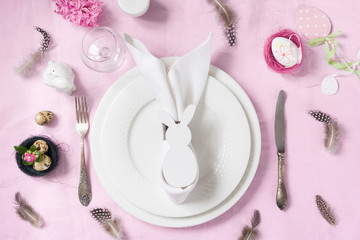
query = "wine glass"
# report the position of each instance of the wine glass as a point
(102, 49)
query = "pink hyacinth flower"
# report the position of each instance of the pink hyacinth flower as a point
(80, 12)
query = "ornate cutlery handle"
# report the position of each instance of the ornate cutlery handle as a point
(281, 196)
(84, 190)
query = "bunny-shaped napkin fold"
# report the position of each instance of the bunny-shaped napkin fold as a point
(178, 89)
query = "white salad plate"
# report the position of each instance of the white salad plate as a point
(126, 138)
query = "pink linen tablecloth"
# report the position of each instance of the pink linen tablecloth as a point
(172, 28)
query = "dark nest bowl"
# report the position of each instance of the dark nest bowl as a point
(52, 153)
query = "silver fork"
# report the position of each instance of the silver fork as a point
(82, 126)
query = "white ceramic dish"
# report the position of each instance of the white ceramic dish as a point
(183, 215)
(131, 148)
(134, 8)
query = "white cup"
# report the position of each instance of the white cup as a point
(134, 8)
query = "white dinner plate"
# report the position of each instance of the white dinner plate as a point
(131, 148)
(126, 137)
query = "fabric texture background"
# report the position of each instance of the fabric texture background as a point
(173, 28)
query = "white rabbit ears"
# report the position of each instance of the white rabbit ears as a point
(185, 118)
(188, 114)
(178, 85)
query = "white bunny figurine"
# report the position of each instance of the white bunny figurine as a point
(59, 76)
(180, 167)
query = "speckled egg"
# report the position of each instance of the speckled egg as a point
(44, 117)
(43, 164)
(41, 146)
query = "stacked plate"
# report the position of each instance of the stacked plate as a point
(126, 138)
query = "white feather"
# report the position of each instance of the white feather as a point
(26, 212)
(28, 66)
(332, 136)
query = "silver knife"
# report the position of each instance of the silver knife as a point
(281, 196)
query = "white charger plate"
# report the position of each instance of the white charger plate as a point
(183, 215)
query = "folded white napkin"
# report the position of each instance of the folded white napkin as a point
(178, 89)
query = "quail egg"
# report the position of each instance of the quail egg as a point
(44, 117)
(43, 164)
(41, 146)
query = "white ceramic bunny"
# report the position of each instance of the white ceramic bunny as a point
(180, 168)
(59, 76)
